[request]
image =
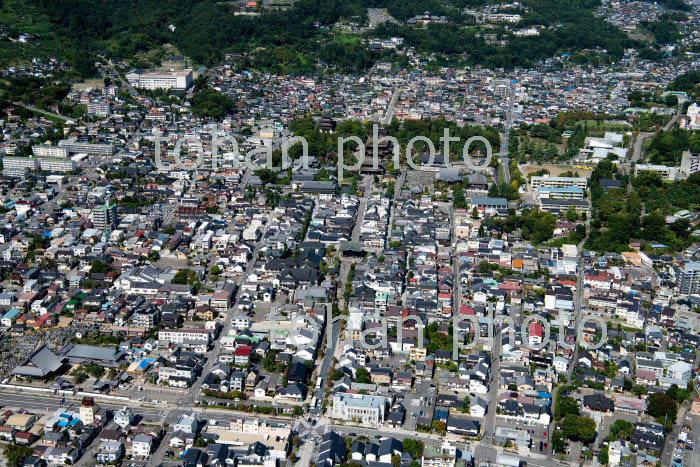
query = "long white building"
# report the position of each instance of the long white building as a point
(178, 80)
(45, 150)
(75, 146)
(546, 181)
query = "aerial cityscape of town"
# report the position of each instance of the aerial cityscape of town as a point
(251, 243)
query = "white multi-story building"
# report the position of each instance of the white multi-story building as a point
(503, 17)
(692, 119)
(240, 322)
(56, 164)
(179, 80)
(99, 108)
(666, 172)
(180, 336)
(545, 181)
(690, 163)
(74, 146)
(45, 150)
(364, 409)
(141, 445)
(124, 417)
(689, 277)
(18, 166)
(571, 192)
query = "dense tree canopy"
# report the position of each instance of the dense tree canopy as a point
(210, 103)
(294, 40)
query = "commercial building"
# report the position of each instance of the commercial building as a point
(88, 410)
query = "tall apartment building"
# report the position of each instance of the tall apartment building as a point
(105, 217)
(178, 80)
(689, 278)
(45, 150)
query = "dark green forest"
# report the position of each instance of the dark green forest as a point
(621, 216)
(300, 39)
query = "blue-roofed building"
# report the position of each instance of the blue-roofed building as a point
(9, 318)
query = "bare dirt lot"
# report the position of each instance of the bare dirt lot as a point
(554, 169)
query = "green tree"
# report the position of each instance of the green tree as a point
(210, 103)
(578, 428)
(661, 405)
(587, 430)
(362, 376)
(14, 454)
(99, 267)
(414, 447)
(565, 405)
(622, 430)
(185, 276)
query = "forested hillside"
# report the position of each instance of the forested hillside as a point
(301, 38)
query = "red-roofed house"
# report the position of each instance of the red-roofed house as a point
(536, 333)
(241, 355)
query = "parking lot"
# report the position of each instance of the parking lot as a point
(684, 449)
